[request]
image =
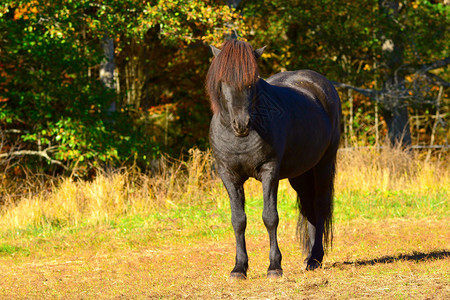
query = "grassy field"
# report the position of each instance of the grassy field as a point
(133, 236)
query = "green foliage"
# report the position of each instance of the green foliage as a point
(50, 95)
(51, 98)
(344, 40)
(49, 64)
(339, 38)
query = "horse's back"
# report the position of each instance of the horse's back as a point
(315, 87)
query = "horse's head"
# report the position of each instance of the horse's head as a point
(237, 104)
(231, 83)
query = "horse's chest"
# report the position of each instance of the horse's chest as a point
(242, 156)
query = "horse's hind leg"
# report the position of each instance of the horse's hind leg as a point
(315, 190)
(323, 208)
(304, 186)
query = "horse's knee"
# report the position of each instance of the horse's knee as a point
(270, 219)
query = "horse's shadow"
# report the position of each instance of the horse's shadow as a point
(416, 256)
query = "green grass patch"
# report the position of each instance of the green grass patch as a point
(186, 222)
(390, 204)
(6, 249)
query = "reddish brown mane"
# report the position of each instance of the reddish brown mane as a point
(235, 65)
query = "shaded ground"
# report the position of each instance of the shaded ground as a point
(387, 259)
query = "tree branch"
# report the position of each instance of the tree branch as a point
(421, 70)
(437, 79)
(424, 68)
(366, 92)
(435, 65)
(42, 153)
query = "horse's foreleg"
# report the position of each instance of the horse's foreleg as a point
(270, 218)
(239, 221)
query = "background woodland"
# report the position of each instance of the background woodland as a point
(88, 84)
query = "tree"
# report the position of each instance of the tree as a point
(57, 113)
(359, 44)
(52, 99)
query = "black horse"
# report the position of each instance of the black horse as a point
(284, 127)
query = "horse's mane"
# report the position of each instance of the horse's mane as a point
(235, 65)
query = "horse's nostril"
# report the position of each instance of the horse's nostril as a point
(235, 124)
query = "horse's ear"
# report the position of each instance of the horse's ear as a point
(260, 51)
(215, 50)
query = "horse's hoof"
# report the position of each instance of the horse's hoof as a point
(313, 264)
(274, 274)
(237, 276)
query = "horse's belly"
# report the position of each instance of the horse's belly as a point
(290, 168)
(300, 157)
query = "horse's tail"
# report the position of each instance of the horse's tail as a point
(304, 232)
(328, 211)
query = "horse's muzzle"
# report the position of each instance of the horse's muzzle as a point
(240, 127)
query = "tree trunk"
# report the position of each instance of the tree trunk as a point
(397, 121)
(394, 105)
(234, 4)
(107, 68)
(141, 64)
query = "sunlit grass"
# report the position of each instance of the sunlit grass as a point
(169, 235)
(369, 184)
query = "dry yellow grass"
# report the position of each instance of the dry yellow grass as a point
(127, 192)
(120, 193)
(391, 169)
